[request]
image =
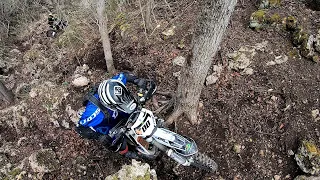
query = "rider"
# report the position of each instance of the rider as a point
(109, 103)
(55, 23)
(51, 20)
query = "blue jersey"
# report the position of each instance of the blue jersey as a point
(94, 118)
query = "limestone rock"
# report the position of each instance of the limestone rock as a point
(33, 93)
(179, 61)
(307, 178)
(44, 161)
(211, 79)
(177, 74)
(278, 60)
(136, 170)
(315, 114)
(307, 49)
(276, 177)
(80, 81)
(81, 69)
(237, 148)
(65, 124)
(241, 59)
(247, 71)
(15, 52)
(72, 114)
(264, 4)
(257, 19)
(317, 42)
(169, 32)
(308, 158)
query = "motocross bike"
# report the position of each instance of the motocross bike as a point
(144, 131)
(56, 27)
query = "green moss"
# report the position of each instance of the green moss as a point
(181, 44)
(274, 3)
(316, 59)
(236, 57)
(147, 176)
(311, 148)
(259, 15)
(275, 18)
(300, 37)
(258, 19)
(293, 53)
(12, 174)
(31, 55)
(290, 23)
(15, 172)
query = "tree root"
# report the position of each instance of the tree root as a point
(174, 116)
(155, 102)
(168, 94)
(191, 115)
(167, 105)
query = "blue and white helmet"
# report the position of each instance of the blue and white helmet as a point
(114, 95)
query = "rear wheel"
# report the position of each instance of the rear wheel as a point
(202, 161)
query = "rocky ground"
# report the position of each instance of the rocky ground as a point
(260, 100)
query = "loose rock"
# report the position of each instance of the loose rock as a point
(169, 32)
(308, 158)
(247, 71)
(276, 177)
(317, 42)
(179, 61)
(136, 170)
(65, 124)
(211, 79)
(278, 60)
(237, 148)
(307, 178)
(315, 114)
(33, 93)
(73, 115)
(44, 161)
(80, 81)
(257, 19)
(176, 74)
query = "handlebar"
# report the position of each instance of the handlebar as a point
(146, 94)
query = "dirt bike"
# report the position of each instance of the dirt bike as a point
(56, 27)
(145, 132)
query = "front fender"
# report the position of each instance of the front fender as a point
(182, 145)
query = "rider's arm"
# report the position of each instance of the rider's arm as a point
(140, 82)
(86, 132)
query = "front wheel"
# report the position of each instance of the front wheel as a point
(202, 161)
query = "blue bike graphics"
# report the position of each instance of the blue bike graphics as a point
(93, 117)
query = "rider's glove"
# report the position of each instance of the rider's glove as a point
(141, 83)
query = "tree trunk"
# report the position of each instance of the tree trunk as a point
(5, 93)
(213, 20)
(104, 36)
(150, 4)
